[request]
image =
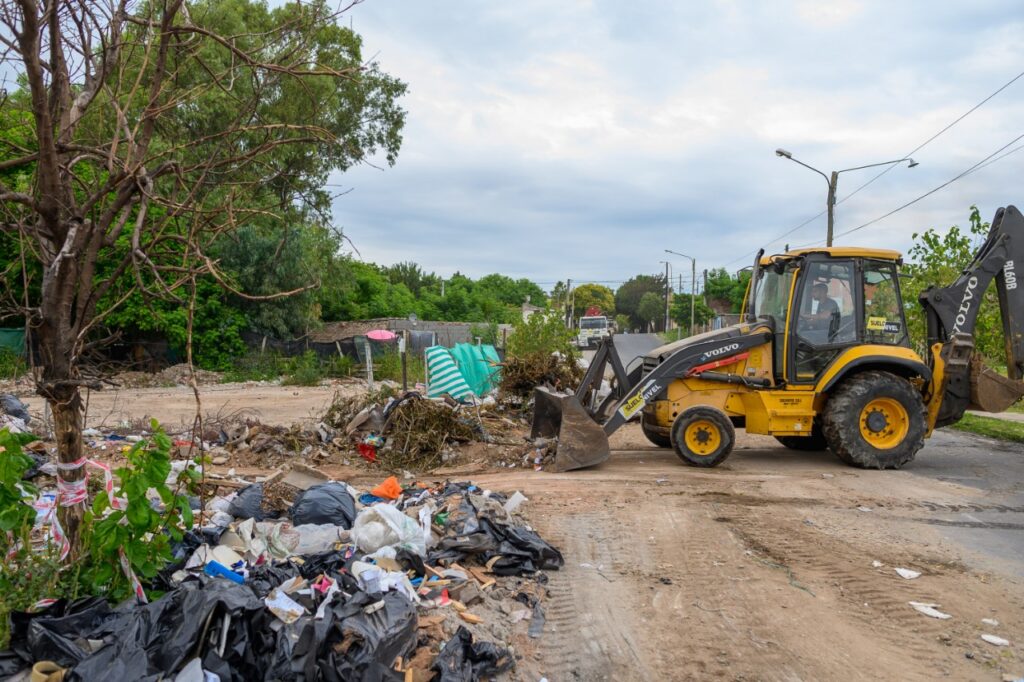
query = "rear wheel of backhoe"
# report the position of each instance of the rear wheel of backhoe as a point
(813, 443)
(659, 439)
(703, 436)
(875, 420)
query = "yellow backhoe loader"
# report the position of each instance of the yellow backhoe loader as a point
(821, 360)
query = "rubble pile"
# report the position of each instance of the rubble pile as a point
(175, 375)
(417, 582)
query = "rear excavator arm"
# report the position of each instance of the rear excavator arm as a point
(951, 313)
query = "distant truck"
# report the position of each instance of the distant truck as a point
(592, 330)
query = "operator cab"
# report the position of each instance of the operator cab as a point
(820, 302)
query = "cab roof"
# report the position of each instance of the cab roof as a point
(840, 252)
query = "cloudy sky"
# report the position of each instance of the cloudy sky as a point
(581, 138)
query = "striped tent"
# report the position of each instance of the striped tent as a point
(443, 375)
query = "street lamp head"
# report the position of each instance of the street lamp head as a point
(783, 152)
(912, 163)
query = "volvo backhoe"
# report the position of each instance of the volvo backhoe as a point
(821, 360)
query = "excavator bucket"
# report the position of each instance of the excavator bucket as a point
(581, 441)
(991, 391)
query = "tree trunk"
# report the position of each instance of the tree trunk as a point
(66, 406)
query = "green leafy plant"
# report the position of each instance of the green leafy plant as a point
(304, 371)
(26, 575)
(140, 530)
(12, 365)
(389, 366)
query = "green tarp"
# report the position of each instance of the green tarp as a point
(479, 366)
(13, 340)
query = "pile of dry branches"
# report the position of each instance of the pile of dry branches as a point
(521, 374)
(418, 432)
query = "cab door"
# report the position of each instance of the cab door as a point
(823, 317)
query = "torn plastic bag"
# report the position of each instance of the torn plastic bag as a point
(248, 504)
(49, 634)
(375, 639)
(521, 550)
(326, 503)
(160, 637)
(462, 660)
(384, 526)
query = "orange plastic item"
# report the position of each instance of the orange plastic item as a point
(389, 489)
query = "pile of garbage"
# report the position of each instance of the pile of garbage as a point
(410, 432)
(411, 582)
(14, 414)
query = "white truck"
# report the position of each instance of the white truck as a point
(592, 330)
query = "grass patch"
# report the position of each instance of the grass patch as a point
(1000, 429)
(12, 365)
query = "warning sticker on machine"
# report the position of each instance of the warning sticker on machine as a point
(876, 324)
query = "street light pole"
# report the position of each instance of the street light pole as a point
(833, 183)
(693, 286)
(668, 293)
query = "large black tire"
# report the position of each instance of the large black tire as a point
(703, 436)
(869, 437)
(660, 440)
(816, 442)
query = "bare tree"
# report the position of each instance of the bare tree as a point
(126, 185)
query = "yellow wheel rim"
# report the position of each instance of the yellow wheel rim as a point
(884, 423)
(702, 437)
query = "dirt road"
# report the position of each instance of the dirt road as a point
(762, 569)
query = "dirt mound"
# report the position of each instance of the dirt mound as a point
(175, 375)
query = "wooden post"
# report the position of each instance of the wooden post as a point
(369, 363)
(403, 348)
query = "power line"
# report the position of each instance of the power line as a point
(889, 168)
(988, 160)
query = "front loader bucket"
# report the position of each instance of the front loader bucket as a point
(991, 391)
(581, 441)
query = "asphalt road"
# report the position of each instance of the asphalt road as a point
(993, 523)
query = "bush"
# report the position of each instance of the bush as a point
(304, 370)
(12, 365)
(389, 366)
(540, 350)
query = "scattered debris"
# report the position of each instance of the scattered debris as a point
(930, 610)
(876, 564)
(991, 622)
(864, 509)
(908, 574)
(995, 641)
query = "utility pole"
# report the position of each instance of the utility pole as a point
(693, 293)
(568, 315)
(668, 295)
(693, 286)
(833, 182)
(704, 289)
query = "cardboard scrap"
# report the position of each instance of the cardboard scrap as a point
(470, 618)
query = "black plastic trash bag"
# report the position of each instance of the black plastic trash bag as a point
(9, 404)
(521, 551)
(326, 503)
(376, 639)
(462, 660)
(248, 504)
(49, 634)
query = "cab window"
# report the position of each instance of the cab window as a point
(827, 305)
(883, 314)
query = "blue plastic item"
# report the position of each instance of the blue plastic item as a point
(216, 569)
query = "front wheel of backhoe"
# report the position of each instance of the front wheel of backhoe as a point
(875, 420)
(703, 436)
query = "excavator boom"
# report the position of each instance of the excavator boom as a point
(951, 315)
